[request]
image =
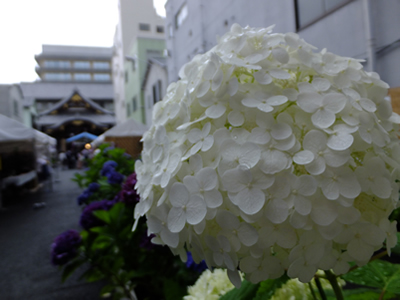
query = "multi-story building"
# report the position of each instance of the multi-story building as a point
(74, 93)
(139, 37)
(74, 64)
(362, 29)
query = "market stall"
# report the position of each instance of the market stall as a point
(20, 146)
(126, 135)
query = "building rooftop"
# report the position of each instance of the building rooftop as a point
(58, 90)
(78, 51)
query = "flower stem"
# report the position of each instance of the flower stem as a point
(320, 288)
(335, 285)
(312, 291)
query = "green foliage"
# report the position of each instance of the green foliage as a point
(379, 274)
(248, 290)
(396, 249)
(71, 267)
(115, 254)
(364, 294)
(268, 287)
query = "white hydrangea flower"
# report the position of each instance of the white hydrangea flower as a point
(211, 285)
(269, 156)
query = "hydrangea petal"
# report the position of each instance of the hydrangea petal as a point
(277, 211)
(323, 118)
(303, 157)
(176, 219)
(251, 201)
(196, 210)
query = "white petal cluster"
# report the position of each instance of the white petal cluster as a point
(269, 156)
(211, 285)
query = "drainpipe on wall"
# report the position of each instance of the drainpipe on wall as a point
(369, 35)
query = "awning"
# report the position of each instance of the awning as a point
(82, 136)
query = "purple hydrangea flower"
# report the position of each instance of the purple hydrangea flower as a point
(93, 187)
(117, 198)
(146, 243)
(114, 177)
(190, 264)
(64, 247)
(108, 166)
(129, 194)
(83, 198)
(88, 219)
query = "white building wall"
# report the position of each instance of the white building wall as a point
(342, 31)
(156, 73)
(118, 77)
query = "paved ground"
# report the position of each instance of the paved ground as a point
(25, 238)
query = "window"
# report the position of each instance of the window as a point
(109, 106)
(160, 29)
(82, 64)
(128, 109)
(126, 77)
(157, 96)
(134, 103)
(308, 11)
(102, 77)
(144, 27)
(101, 65)
(82, 76)
(16, 110)
(57, 76)
(57, 64)
(181, 16)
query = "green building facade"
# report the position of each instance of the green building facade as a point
(136, 62)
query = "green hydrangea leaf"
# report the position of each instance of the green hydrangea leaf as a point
(70, 268)
(379, 274)
(102, 242)
(102, 215)
(247, 291)
(268, 287)
(173, 290)
(92, 275)
(364, 294)
(396, 248)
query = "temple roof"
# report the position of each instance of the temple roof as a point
(75, 97)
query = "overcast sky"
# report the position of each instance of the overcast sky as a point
(27, 24)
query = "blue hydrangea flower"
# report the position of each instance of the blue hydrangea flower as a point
(108, 167)
(114, 177)
(64, 247)
(84, 197)
(190, 264)
(93, 187)
(88, 219)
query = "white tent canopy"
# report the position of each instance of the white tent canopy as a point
(14, 131)
(44, 139)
